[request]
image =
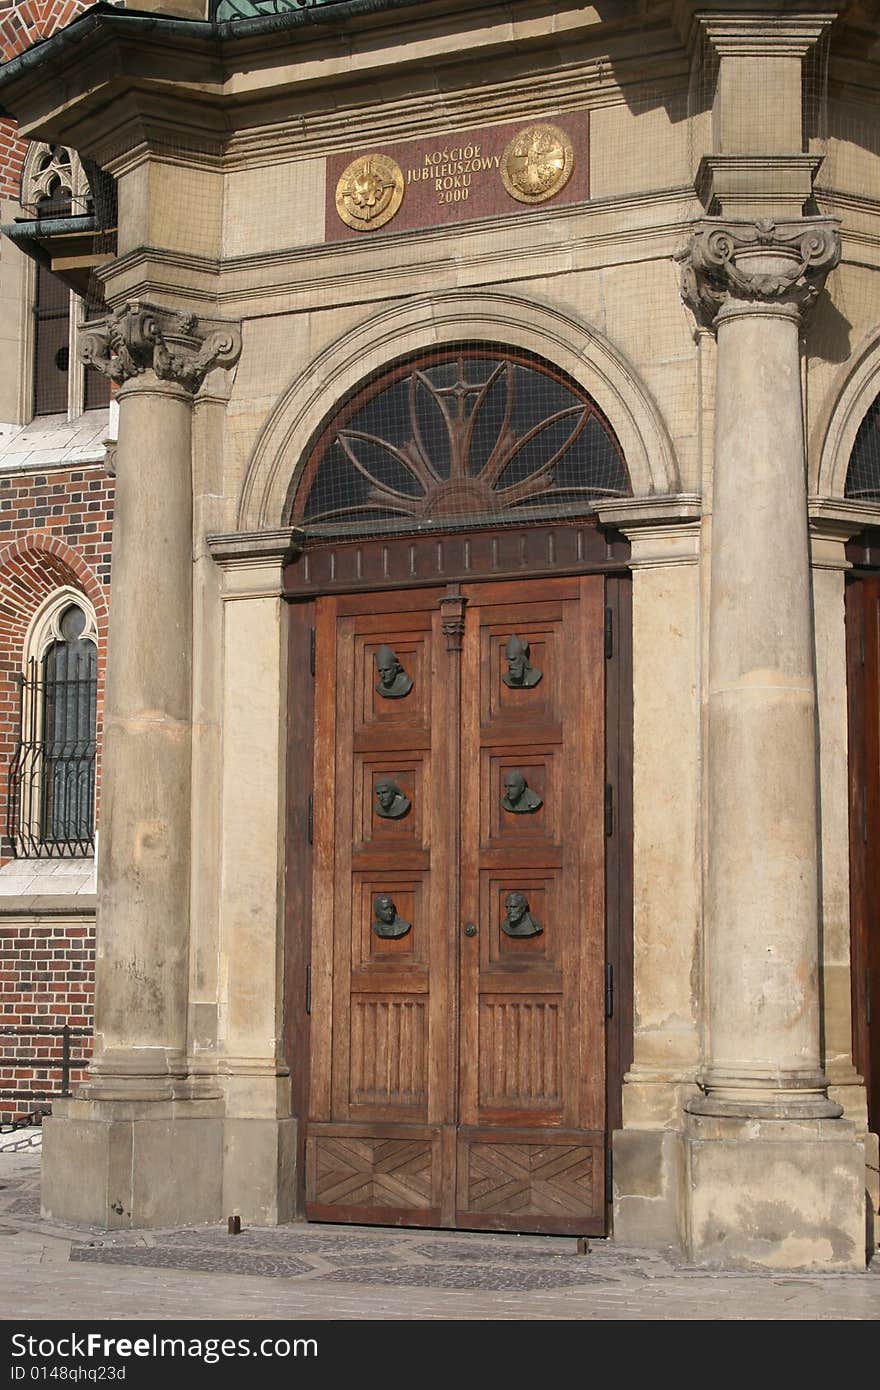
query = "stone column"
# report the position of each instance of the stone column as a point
(159, 359)
(753, 281)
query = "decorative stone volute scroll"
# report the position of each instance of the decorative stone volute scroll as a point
(762, 262)
(176, 346)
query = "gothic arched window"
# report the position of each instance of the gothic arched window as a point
(52, 785)
(466, 436)
(55, 191)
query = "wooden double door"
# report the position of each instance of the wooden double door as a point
(458, 926)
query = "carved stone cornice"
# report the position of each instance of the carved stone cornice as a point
(758, 262)
(173, 345)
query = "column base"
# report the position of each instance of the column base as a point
(780, 1096)
(131, 1165)
(142, 1165)
(774, 1193)
(137, 1073)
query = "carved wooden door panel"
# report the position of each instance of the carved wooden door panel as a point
(457, 1068)
(381, 1097)
(532, 1091)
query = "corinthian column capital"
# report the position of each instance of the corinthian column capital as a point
(761, 262)
(174, 346)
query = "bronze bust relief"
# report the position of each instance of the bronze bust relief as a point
(386, 921)
(518, 920)
(393, 682)
(518, 795)
(391, 803)
(520, 675)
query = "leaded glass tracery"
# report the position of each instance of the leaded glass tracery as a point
(863, 474)
(467, 436)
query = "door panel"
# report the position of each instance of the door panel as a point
(458, 1077)
(531, 1008)
(863, 683)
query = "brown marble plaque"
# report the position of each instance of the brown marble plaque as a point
(461, 176)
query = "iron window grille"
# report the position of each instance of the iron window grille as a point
(51, 801)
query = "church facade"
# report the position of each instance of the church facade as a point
(489, 776)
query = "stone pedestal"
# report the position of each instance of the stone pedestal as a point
(141, 1144)
(778, 1194)
(771, 1168)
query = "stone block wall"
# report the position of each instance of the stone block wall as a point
(47, 965)
(55, 527)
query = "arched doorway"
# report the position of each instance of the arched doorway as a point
(458, 638)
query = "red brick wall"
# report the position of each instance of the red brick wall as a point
(20, 26)
(46, 980)
(55, 529)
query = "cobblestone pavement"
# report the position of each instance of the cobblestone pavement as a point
(307, 1271)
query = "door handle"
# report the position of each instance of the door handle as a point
(470, 929)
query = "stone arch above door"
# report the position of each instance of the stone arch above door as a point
(847, 405)
(572, 346)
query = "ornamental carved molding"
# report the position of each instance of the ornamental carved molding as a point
(139, 337)
(760, 262)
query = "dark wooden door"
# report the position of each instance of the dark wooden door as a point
(458, 1063)
(863, 680)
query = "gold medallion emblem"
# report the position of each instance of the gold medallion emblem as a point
(369, 192)
(537, 163)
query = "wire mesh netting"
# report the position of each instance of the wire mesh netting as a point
(466, 436)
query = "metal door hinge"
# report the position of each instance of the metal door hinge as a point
(311, 818)
(609, 809)
(308, 989)
(312, 650)
(609, 633)
(609, 989)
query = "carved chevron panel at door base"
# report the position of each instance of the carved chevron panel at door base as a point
(550, 1180)
(370, 1172)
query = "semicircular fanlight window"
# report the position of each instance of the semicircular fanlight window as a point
(863, 474)
(463, 437)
